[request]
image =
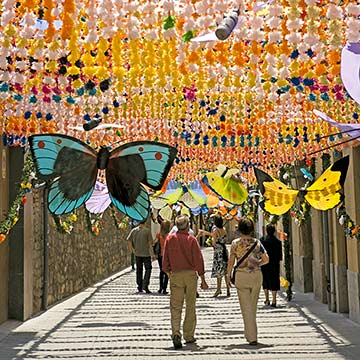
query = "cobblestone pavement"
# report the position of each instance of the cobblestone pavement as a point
(111, 321)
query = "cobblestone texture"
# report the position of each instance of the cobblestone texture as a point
(111, 321)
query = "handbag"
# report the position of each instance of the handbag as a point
(252, 247)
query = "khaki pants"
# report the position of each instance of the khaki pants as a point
(183, 285)
(248, 288)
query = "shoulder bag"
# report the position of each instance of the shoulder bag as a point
(252, 247)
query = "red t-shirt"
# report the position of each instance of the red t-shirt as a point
(182, 252)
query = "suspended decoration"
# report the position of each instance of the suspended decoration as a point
(12, 216)
(244, 101)
(72, 168)
(323, 194)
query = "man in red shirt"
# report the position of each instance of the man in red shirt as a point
(183, 262)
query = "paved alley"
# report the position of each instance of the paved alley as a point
(111, 321)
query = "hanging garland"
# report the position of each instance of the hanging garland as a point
(287, 257)
(122, 223)
(350, 228)
(25, 186)
(94, 222)
(65, 226)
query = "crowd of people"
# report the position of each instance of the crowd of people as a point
(252, 263)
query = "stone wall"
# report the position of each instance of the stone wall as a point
(76, 260)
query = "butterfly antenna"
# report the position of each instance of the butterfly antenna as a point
(331, 146)
(337, 133)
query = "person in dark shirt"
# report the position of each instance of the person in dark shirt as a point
(140, 243)
(183, 262)
(271, 271)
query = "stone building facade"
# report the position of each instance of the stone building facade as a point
(31, 278)
(325, 260)
(76, 260)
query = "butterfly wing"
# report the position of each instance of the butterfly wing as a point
(132, 164)
(278, 198)
(228, 188)
(99, 200)
(324, 193)
(71, 167)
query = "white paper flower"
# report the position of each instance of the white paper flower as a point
(284, 73)
(168, 34)
(21, 65)
(151, 34)
(168, 6)
(29, 19)
(353, 36)
(201, 7)
(353, 9)
(274, 22)
(19, 78)
(27, 32)
(189, 25)
(273, 97)
(311, 2)
(5, 76)
(342, 220)
(7, 17)
(3, 62)
(275, 10)
(150, 20)
(272, 71)
(294, 24)
(92, 37)
(274, 36)
(310, 39)
(334, 12)
(256, 35)
(293, 38)
(188, 10)
(193, 68)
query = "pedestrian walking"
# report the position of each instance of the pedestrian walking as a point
(159, 246)
(250, 255)
(183, 261)
(271, 271)
(140, 242)
(221, 255)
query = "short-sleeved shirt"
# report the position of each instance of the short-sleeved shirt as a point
(240, 246)
(141, 240)
(161, 238)
(182, 252)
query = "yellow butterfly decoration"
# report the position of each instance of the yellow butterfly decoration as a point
(225, 183)
(323, 194)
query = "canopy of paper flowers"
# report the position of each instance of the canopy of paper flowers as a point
(244, 101)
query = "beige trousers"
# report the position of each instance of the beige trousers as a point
(248, 288)
(183, 285)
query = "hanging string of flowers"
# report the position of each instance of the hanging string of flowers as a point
(65, 224)
(287, 283)
(94, 222)
(12, 216)
(121, 223)
(350, 227)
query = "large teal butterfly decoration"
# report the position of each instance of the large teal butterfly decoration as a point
(71, 167)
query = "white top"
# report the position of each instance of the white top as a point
(175, 229)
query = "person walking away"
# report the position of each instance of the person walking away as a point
(160, 240)
(183, 262)
(248, 277)
(221, 255)
(140, 242)
(271, 271)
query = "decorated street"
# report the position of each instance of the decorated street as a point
(112, 321)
